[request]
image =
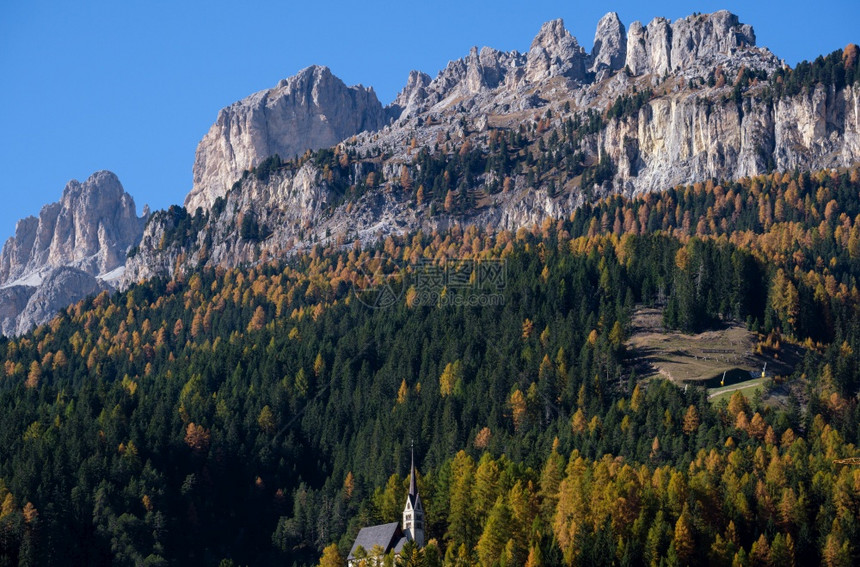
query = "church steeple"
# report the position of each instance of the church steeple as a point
(413, 513)
(413, 488)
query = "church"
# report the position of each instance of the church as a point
(391, 537)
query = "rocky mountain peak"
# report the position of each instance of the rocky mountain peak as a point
(551, 33)
(86, 233)
(91, 228)
(701, 36)
(610, 44)
(555, 52)
(412, 94)
(311, 110)
(698, 42)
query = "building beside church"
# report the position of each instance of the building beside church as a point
(385, 538)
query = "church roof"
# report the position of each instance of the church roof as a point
(387, 536)
(414, 500)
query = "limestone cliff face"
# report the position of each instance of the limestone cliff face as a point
(678, 139)
(311, 110)
(87, 233)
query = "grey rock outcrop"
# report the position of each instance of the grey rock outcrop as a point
(90, 230)
(485, 72)
(554, 52)
(610, 44)
(694, 41)
(477, 74)
(699, 37)
(636, 58)
(484, 69)
(13, 301)
(62, 286)
(412, 95)
(312, 110)
(649, 48)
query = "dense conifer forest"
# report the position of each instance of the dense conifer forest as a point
(261, 416)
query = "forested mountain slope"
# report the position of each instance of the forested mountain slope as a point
(257, 414)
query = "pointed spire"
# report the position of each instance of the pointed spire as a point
(413, 488)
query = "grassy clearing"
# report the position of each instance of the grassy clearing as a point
(685, 358)
(748, 389)
(679, 357)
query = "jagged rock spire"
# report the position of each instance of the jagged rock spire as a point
(555, 52)
(610, 44)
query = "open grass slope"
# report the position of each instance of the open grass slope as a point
(681, 357)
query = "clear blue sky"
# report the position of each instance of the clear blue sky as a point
(131, 86)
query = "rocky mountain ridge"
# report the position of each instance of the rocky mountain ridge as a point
(77, 246)
(690, 47)
(314, 109)
(501, 139)
(653, 107)
(311, 110)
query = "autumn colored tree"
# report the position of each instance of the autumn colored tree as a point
(691, 420)
(197, 438)
(449, 201)
(258, 320)
(331, 557)
(34, 375)
(402, 392)
(405, 178)
(683, 540)
(266, 419)
(451, 378)
(518, 407)
(482, 439)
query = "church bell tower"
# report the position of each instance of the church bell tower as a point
(413, 513)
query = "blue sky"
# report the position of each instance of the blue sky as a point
(131, 86)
